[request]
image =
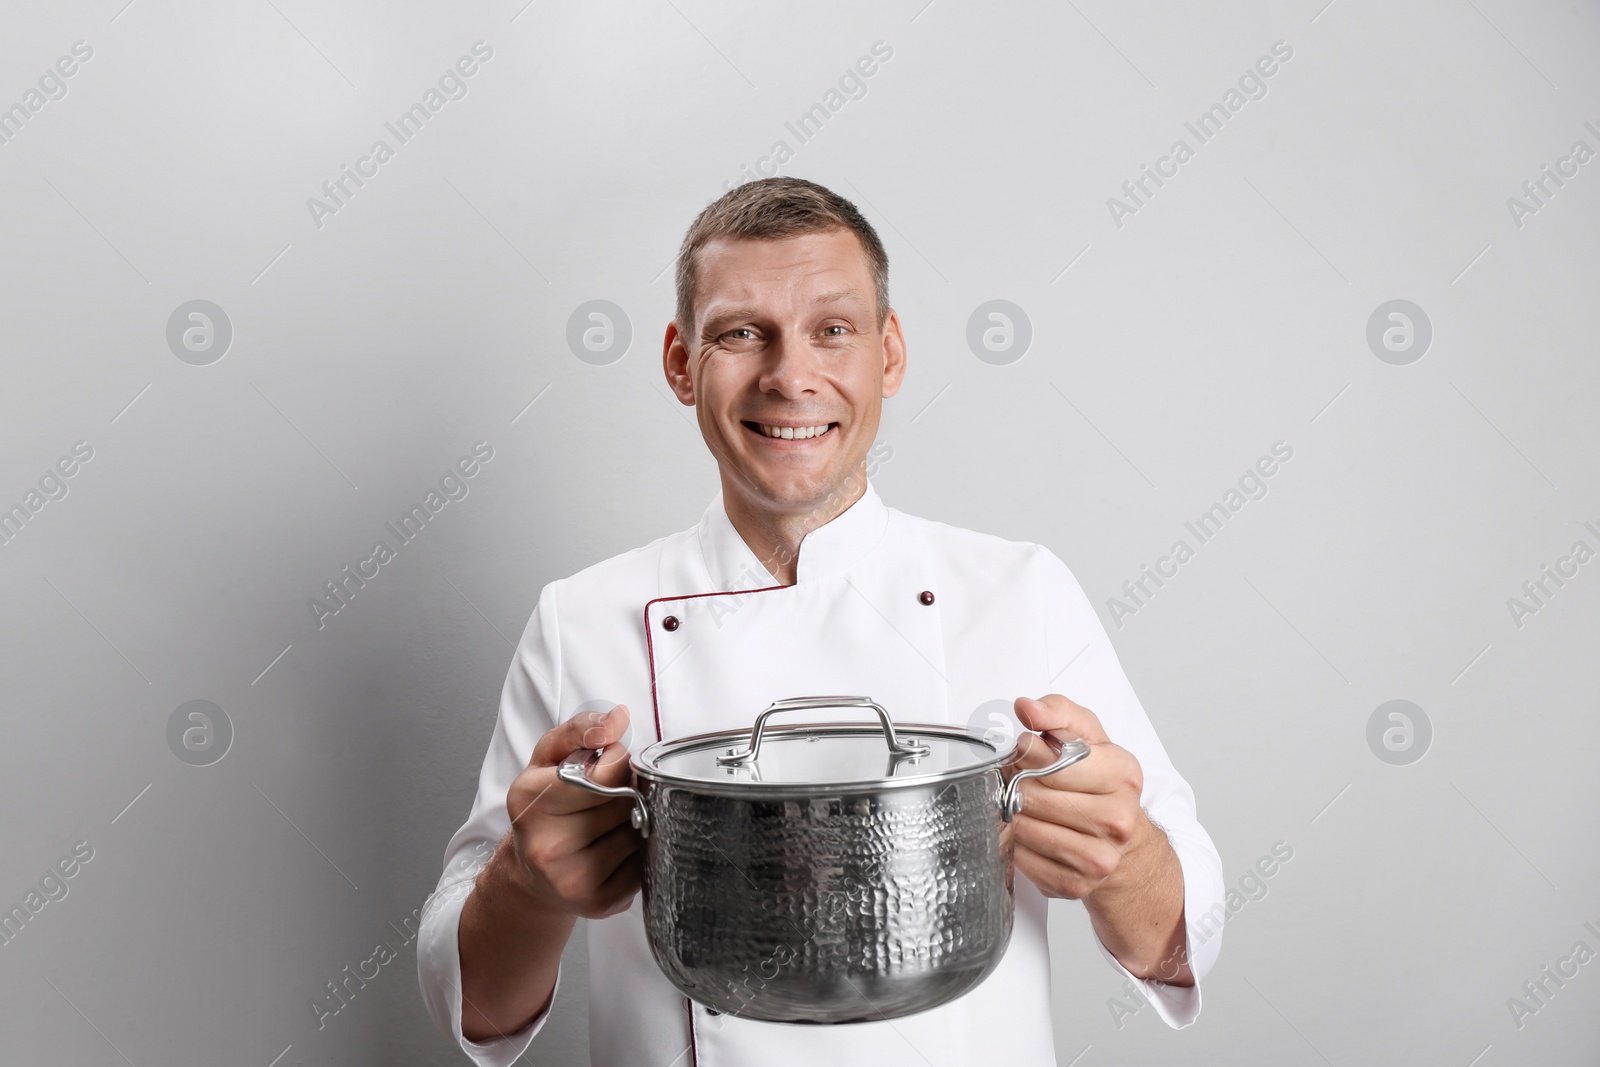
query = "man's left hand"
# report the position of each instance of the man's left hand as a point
(1081, 834)
(1076, 826)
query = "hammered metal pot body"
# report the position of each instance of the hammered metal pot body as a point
(827, 907)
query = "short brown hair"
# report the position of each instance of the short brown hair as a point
(770, 209)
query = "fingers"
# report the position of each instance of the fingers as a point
(1099, 814)
(1109, 768)
(583, 828)
(1056, 712)
(538, 783)
(1033, 751)
(620, 888)
(577, 846)
(548, 840)
(606, 854)
(1054, 878)
(590, 729)
(612, 768)
(539, 790)
(600, 879)
(1106, 818)
(1071, 858)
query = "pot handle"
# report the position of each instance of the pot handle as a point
(574, 770)
(1067, 753)
(903, 749)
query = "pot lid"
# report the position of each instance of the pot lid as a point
(824, 754)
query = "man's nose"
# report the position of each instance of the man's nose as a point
(792, 368)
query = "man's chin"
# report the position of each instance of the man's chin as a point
(793, 497)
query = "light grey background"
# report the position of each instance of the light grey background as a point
(1167, 354)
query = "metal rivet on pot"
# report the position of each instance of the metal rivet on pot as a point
(670, 623)
(926, 596)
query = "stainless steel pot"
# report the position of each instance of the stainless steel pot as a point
(810, 874)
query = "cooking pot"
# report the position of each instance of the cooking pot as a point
(825, 872)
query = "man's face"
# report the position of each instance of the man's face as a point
(786, 365)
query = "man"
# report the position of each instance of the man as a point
(786, 346)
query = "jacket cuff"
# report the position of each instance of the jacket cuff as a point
(439, 970)
(1179, 1006)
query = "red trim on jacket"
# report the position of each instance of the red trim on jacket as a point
(650, 644)
(655, 707)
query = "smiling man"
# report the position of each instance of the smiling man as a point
(799, 580)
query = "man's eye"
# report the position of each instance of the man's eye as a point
(741, 334)
(836, 326)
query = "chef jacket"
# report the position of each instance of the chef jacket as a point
(691, 633)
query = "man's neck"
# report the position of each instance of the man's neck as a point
(775, 536)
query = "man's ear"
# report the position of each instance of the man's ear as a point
(675, 362)
(894, 355)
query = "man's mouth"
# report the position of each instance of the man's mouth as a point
(790, 433)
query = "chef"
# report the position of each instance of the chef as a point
(800, 580)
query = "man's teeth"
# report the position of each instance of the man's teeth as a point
(794, 433)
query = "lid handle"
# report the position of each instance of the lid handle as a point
(899, 748)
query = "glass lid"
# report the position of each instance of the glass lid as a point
(822, 754)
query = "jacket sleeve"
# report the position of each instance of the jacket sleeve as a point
(1088, 672)
(528, 706)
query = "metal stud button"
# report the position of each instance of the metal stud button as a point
(670, 623)
(926, 597)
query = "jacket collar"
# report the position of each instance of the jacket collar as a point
(829, 550)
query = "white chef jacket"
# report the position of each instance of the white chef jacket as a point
(1007, 619)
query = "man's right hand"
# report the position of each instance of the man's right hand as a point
(576, 851)
(570, 853)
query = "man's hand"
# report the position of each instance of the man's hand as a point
(1082, 835)
(577, 851)
(570, 853)
(1077, 825)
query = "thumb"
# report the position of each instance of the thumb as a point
(1057, 715)
(589, 729)
(606, 728)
